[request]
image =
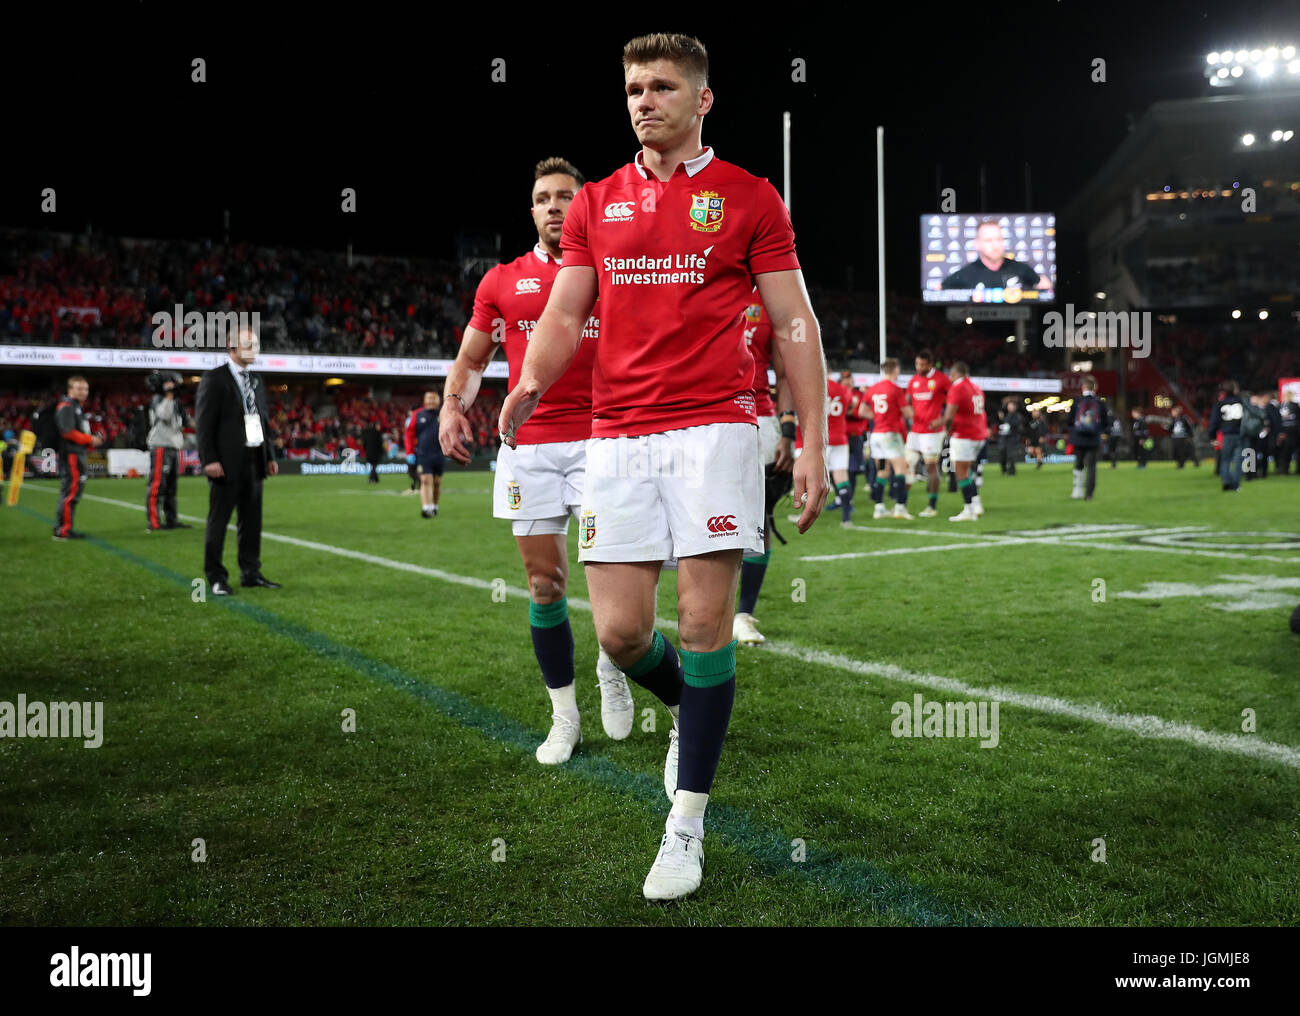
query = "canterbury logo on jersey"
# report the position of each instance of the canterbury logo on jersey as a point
(528, 286)
(722, 524)
(619, 211)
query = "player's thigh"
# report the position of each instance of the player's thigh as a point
(706, 596)
(623, 597)
(886, 445)
(545, 555)
(622, 517)
(716, 501)
(929, 445)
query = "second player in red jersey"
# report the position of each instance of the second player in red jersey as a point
(508, 303)
(539, 483)
(776, 451)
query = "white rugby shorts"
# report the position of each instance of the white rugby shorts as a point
(929, 445)
(886, 445)
(539, 483)
(678, 493)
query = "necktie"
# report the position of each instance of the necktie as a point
(250, 406)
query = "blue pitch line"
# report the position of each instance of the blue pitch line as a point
(851, 877)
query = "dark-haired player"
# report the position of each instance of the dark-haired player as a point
(927, 393)
(775, 446)
(965, 420)
(539, 480)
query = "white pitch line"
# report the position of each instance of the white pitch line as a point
(889, 530)
(933, 548)
(1142, 726)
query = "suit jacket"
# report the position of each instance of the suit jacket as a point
(219, 424)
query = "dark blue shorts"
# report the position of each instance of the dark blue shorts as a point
(430, 465)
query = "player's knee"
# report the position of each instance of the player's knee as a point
(547, 586)
(625, 643)
(704, 630)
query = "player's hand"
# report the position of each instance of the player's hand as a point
(516, 410)
(214, 470)
(410, 459)
(455, 435)
(812, 485)
(784, 456)
(273, 468)
(96, 441)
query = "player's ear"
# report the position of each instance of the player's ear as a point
(706, 100)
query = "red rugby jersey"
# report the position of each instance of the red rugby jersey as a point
(856, 425)
(886, 400)
(837, 401)
(929, 394)
(675, 262)
(511, 298)
(758, 337)
(969, 422)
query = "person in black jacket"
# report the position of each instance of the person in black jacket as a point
(1183, 434)
(1272, 428)
(1089, 419)
(1114, 435)
(1037, 435)
(1138, 428)
(1227, 420)
(372, 443)
(1288, 437)
(1011, 429)
(234, 439)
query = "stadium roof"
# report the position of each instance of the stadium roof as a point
(1200, 137)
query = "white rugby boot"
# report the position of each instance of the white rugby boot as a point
(678, 868)
(670, 765)
(743, 630)
(616, 709)
(565, 735)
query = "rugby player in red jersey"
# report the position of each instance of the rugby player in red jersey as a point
(837, 458)
(539, 480)
(857, 424)
(673, 244)
(927, 394)
(887, 406)
(775, 443)
(964, 419)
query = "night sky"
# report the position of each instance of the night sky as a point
(400, 105)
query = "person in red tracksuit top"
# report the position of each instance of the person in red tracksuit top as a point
(74, 429)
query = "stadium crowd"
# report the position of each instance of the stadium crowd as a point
(301, 425)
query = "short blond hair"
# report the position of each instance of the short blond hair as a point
(687, 52)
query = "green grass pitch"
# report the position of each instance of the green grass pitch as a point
(224, 720)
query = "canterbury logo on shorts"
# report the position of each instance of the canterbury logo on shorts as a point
(721, 524)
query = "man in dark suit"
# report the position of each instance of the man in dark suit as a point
(234, 439)
(372, 442)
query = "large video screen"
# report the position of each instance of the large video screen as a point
(993, 258)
